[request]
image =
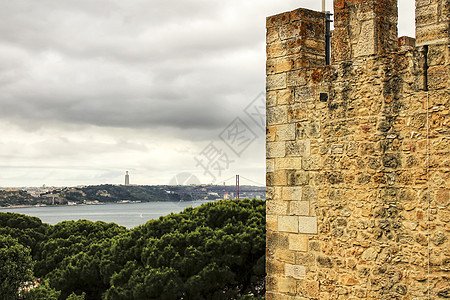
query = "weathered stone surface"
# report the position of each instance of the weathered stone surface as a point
(427, 14)
(360, 29)
(276, 115)
(310, 289)
(309, 193)
(292, 193)
(288, 163)
(312, 163)
(295, 271)
(286, 132)
(358, 194)
(270, 165)
(278, 177)
(299, 208)
(437, 77)
(275, 268)
(298, 148)
(287, 285)
(298, 242)
(301, 177)
(277, 207)
(307, 225)
(276, 82)
(272, 222)
(366, 44)
(279, 65)
(276, 49)
(275, 149)
(370, 254)
(284, 97)
(288, 224)
(349, 280)
(277, 240)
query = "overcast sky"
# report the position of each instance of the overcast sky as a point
(92, 88)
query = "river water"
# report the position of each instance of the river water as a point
(126, 214)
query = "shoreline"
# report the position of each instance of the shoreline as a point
(128, 216)
(85, 204)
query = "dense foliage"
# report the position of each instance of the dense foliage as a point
(15, 266)
(215, 251)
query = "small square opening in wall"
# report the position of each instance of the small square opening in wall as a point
(323, 97)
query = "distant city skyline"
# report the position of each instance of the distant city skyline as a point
(89, 89)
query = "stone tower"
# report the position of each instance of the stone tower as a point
(127, 179)
(358, 164)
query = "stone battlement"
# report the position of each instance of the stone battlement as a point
(358, 164)
(364, 28)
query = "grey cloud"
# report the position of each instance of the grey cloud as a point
(134, 31)
(77, 65)
(131, 64)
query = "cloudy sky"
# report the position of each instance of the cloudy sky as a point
(92, 88)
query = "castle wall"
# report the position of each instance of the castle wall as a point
(358, 165)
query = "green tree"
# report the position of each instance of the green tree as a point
(71, 257)
(213, 251)
(29, 231)
(74, 296)
(15, 267)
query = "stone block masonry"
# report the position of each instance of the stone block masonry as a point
(358, 154)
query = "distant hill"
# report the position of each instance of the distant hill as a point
(16, 197)
(116, 193)
(134, 193)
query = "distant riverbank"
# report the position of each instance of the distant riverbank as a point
(129, 215)
(69, 204)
